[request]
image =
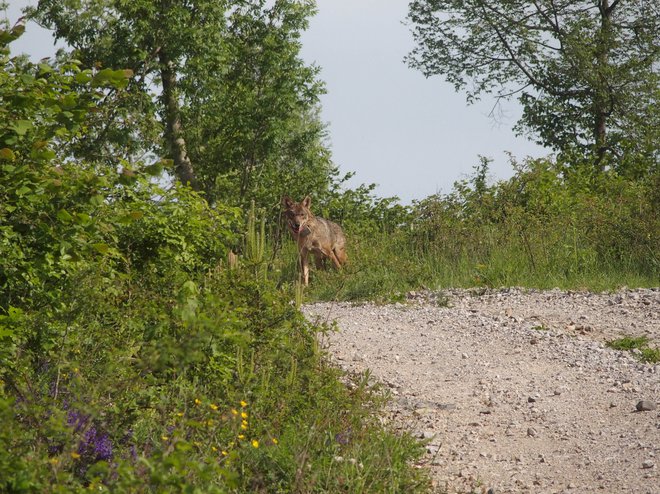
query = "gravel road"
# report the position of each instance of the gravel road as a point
(515, 390)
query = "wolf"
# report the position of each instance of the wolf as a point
(323, 238)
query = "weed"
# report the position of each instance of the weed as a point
(640, 344)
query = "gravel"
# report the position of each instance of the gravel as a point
(514, 390)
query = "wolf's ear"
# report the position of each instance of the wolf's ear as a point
(307, 201)
(287, 202)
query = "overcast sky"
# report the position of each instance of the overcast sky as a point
(410, 135)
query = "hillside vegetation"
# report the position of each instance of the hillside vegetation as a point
(133, 358)
(150, 337)
(548, 226)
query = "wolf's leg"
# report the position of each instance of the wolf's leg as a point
(334, 259)
(304, 266)
(341, 255)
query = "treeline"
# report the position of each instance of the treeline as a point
(218, 88)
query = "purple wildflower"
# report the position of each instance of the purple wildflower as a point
(133, 452)
(95, 446)
(344, 438)
(76, 420)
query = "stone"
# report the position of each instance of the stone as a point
(646, 406)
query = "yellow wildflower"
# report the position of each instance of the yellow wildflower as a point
(224, 453)
(275, 441)
(241, 436)
(165, 438)
(198, 401)
(244, 415)
(74, 455)
(53, 461)
(213, 406)
(255, 443)
(179, 414)
(213, 448)
(243, 403)
(234, 411)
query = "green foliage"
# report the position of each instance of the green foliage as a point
(584, 72)
(546, 222)
(247, 105)
(251, 111)
(644, 352)
(548, 226)
(131, 359)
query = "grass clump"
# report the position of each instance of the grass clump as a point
(641, 343)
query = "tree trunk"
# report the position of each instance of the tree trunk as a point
(173, 135)
(603, 98)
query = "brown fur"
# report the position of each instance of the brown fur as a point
(323, 238)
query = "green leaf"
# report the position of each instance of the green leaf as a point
(7, 154)
(23, 190)
(154, 170)
(101, 248)
(83, 219)
(43, 154)
(69, 102)
(22, 126)
(96, 200)
(5, 331)
(18, 30)
(83, 77)
(64, 216)
(44, 68)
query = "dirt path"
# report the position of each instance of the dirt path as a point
(515, 390)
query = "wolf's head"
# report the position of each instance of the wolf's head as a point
(297, 214)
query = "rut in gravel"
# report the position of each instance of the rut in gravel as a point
(515, 390)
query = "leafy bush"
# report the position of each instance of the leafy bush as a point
(545, 227)
(132, 358)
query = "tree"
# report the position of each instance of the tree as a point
(220, 84)
(154, 38)
(585, 72)
(251, 117)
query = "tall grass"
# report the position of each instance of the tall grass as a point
(537, 230)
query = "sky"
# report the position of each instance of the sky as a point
(411, 136)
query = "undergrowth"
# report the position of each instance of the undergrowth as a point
(538, 229)
(135, 358)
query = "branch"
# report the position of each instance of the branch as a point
(499, 97)
(611, 8)
(518, 63)
(555, 24)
